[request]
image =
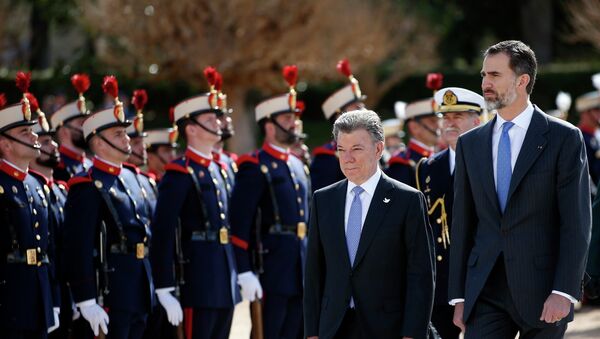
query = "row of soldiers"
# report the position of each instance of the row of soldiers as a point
(96, 246)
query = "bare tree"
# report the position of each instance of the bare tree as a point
(584, 16)
(250, 41)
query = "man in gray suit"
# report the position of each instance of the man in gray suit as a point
(369, 266)
(522, 213)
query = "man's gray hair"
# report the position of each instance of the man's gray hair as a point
(360, 119)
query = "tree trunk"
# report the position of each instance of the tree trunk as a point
(40, 39)
(537, 19)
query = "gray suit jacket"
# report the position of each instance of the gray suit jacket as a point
(391, 280)
(544, 232)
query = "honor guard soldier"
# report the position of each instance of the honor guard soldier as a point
(191, 227)
(563, 105)
(67, 121)
(220, 155)
(139, 156)
(423, 127)
(460, 109)
(269, 214)
(26, 305)
(108, 234)
(325, 166)
(55, 193)
(161, 145)
(588, 107)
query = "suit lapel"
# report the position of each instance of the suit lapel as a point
(487, 163)
(533, 145)
(377, 211)
(338, 210)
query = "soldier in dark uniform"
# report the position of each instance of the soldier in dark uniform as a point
(26, 306)
(269, 214)
(435, 178)
(139, 156)
(325, 166)
(67, 121)
(56, 195)
(160, 147)
(588, 106)
(108, 231)
(191, 228)
(226, 159)
(423, 127)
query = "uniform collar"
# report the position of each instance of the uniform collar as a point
(154, 174)
(47, 181)
(216, 155)
(420, 147)
(107, 166)
(132, 167)
(276, 152)
(198, 157)
(71, 153)
(12, 170)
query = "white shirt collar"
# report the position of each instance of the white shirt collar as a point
(522, 120)
(369, 186)
(202, 154)
(279, 149)
(452, 159)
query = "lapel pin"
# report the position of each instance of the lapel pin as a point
(540, 147)
(386, 200)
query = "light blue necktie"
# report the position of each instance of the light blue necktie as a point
(354, 224)
(503, 167)
(353, 230)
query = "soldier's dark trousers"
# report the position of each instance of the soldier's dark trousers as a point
(126, 325)
(158, 326)
(22, 334)
(495, 316)
(441, 317)
(208, 323)
(282, 316)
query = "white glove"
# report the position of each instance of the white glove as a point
(171, 305)
(250, 286)
(56, 311)
(76, 313)
(95, 315)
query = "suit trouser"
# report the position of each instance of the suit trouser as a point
(208, 323)
(158, 326)
(441, 318)
(126, 325)
(282, 316)
(495, 315)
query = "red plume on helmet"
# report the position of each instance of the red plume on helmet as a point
(33, 103)
(172, 115)
(218, 81)
(110, 86)
(81, 82)
(434, 81)
(343, 66)
(210, 73)
(23, 80)
(290, 74)
(2, 100)
(140, 99)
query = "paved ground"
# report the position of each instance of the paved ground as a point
(585, 326)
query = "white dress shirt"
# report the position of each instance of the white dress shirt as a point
(365, 198)
(517, 136)
(452, 159)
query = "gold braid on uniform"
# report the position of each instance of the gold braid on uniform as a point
(443, 220)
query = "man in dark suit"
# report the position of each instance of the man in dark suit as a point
(521, 224)
(369, 270)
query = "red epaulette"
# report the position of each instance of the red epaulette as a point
(176, 167)
(323, 150)
(64, 184)
(78, 180)
(398, 160)
(251, 157)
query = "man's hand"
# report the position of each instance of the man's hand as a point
(556, 307)
(459, 309)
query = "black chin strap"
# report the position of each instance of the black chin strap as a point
(426, 127)
(112, 145)
(206, 128)
(139, 156)
(292, 134)
(32, 146)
